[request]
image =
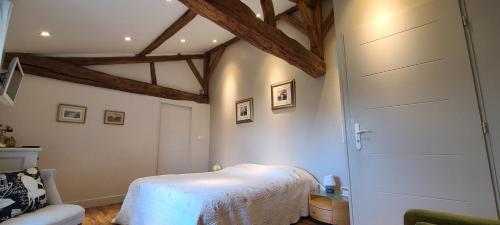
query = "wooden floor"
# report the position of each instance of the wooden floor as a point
(104, 214)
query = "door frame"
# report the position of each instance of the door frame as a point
(161, 103)
(480, 100)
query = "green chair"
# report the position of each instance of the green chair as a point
(428, 217)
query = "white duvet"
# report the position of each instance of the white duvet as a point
(246, 194)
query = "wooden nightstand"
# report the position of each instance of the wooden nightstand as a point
(329, 208)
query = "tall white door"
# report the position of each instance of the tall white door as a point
(410, 85)
(175, 131)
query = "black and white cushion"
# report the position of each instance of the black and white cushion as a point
(21, 192)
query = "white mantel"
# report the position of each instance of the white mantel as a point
(18, 158)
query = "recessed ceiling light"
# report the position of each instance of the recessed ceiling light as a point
(128, 38)
(258, 15)
(45, 34)
(168, 0)
(214, 41)
(183, 40)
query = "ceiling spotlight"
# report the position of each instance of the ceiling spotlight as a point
(258, 15)
(127, 38)
(168, 0)
(183, 40)
(214, 41)
(45, 34)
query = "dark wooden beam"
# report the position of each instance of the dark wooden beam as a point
(169, 32)
(268, 11)
(240, 20)
(312, 21)
(51, 68)
(294, 23)
(152, 69)
(215, 61)
(206, 67)
(327, 24)
(87, 61)
(197, 75)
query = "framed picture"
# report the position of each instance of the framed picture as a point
(244, 111)
(283, 95)
(71, 113)
(114, 117)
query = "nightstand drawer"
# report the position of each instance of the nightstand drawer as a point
(322, 215)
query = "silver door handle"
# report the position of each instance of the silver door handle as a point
(363, 131)
(357, 135)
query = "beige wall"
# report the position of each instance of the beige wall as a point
(308, 136)
(97, 162)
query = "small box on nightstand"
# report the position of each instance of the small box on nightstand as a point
(329, 208)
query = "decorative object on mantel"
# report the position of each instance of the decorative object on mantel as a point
(216, 167)
(4, 140)
(71, 113)
(114, 117)
(244, 111)
(283, 95)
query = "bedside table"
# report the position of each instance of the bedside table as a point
(329, 208)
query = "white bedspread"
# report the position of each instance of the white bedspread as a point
(246, 194)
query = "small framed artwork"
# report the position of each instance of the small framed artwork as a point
(71, 113)
(114, 117)
(244, 111)
(283, 95)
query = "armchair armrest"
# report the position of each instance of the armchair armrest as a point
(421, 216)
(53, 197)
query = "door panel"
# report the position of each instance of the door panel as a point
(409, 82)
(175, 131)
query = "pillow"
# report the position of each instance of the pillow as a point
(21, 192)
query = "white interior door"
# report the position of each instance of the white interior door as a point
(410, 84)
(175, 131)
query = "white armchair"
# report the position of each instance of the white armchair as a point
(56, 213)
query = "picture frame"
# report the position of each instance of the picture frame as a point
(114, 117)
(244, 111)
(67, 113)
(283, 95)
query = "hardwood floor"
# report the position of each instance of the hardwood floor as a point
(103, 215)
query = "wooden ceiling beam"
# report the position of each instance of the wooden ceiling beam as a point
(197, 75)
(152, 70)
(88, 61)
(268, 11)
(311, 15)
(51, 68)
(327, 24)
(223, 45)
(169, 32)
(215, 61)
(240, 20)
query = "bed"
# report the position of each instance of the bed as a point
(239, 195)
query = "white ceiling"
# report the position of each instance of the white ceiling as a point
(99, 26)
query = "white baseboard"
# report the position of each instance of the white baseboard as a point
(93, 202)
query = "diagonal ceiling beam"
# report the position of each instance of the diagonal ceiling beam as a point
(327, 24)
(268, 11)
(169, 32)
(197, 75)
(240, 20)
(294, 23)
(51, 68)
(312, 21)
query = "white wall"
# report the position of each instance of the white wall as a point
(96, 162)
(308, 136)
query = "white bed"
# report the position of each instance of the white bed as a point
(239, 195)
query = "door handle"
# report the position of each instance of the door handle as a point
(357, 135)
